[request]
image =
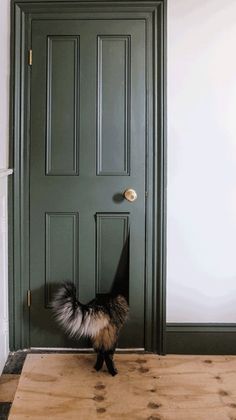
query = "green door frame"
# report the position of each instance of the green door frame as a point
(22, 14)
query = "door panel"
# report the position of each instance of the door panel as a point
(113, 134)
(62, 122)
(88, 136)
(61, 249)
(111, 234)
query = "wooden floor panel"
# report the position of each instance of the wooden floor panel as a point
(8, 385)
(150, 387)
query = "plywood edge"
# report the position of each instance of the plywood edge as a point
(8, 387)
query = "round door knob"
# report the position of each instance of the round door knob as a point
(130, 195)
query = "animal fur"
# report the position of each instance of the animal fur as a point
(100, 320)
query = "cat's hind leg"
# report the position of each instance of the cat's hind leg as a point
(108, 355)
(100, 360)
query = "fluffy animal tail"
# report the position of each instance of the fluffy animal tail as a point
(88, 320)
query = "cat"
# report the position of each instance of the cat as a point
(101, 320)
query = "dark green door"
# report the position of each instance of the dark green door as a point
(88, 135)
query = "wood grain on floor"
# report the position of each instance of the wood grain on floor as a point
(147, 387)
(8, 385)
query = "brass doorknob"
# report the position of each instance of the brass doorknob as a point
(130, 195)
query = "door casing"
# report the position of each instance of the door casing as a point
(23, 12)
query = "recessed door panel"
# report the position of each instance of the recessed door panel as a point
(111, 237)
(113, 107)
(62, 150)
(62, 252)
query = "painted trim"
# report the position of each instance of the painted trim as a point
(161, 183)
(23, 12)
(5, 172)
(18, 185)
(208, 338)
(201, 327)
(4, 322)
(139, 3)
(84, 350)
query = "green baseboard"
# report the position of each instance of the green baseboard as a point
(201, 339)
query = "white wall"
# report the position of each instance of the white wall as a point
(201, 238)
(4, 134)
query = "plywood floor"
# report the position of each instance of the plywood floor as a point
(8, 386)
(150, 387)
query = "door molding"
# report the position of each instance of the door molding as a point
(22, 14)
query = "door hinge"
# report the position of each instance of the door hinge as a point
(28, 298)
(30, 57)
